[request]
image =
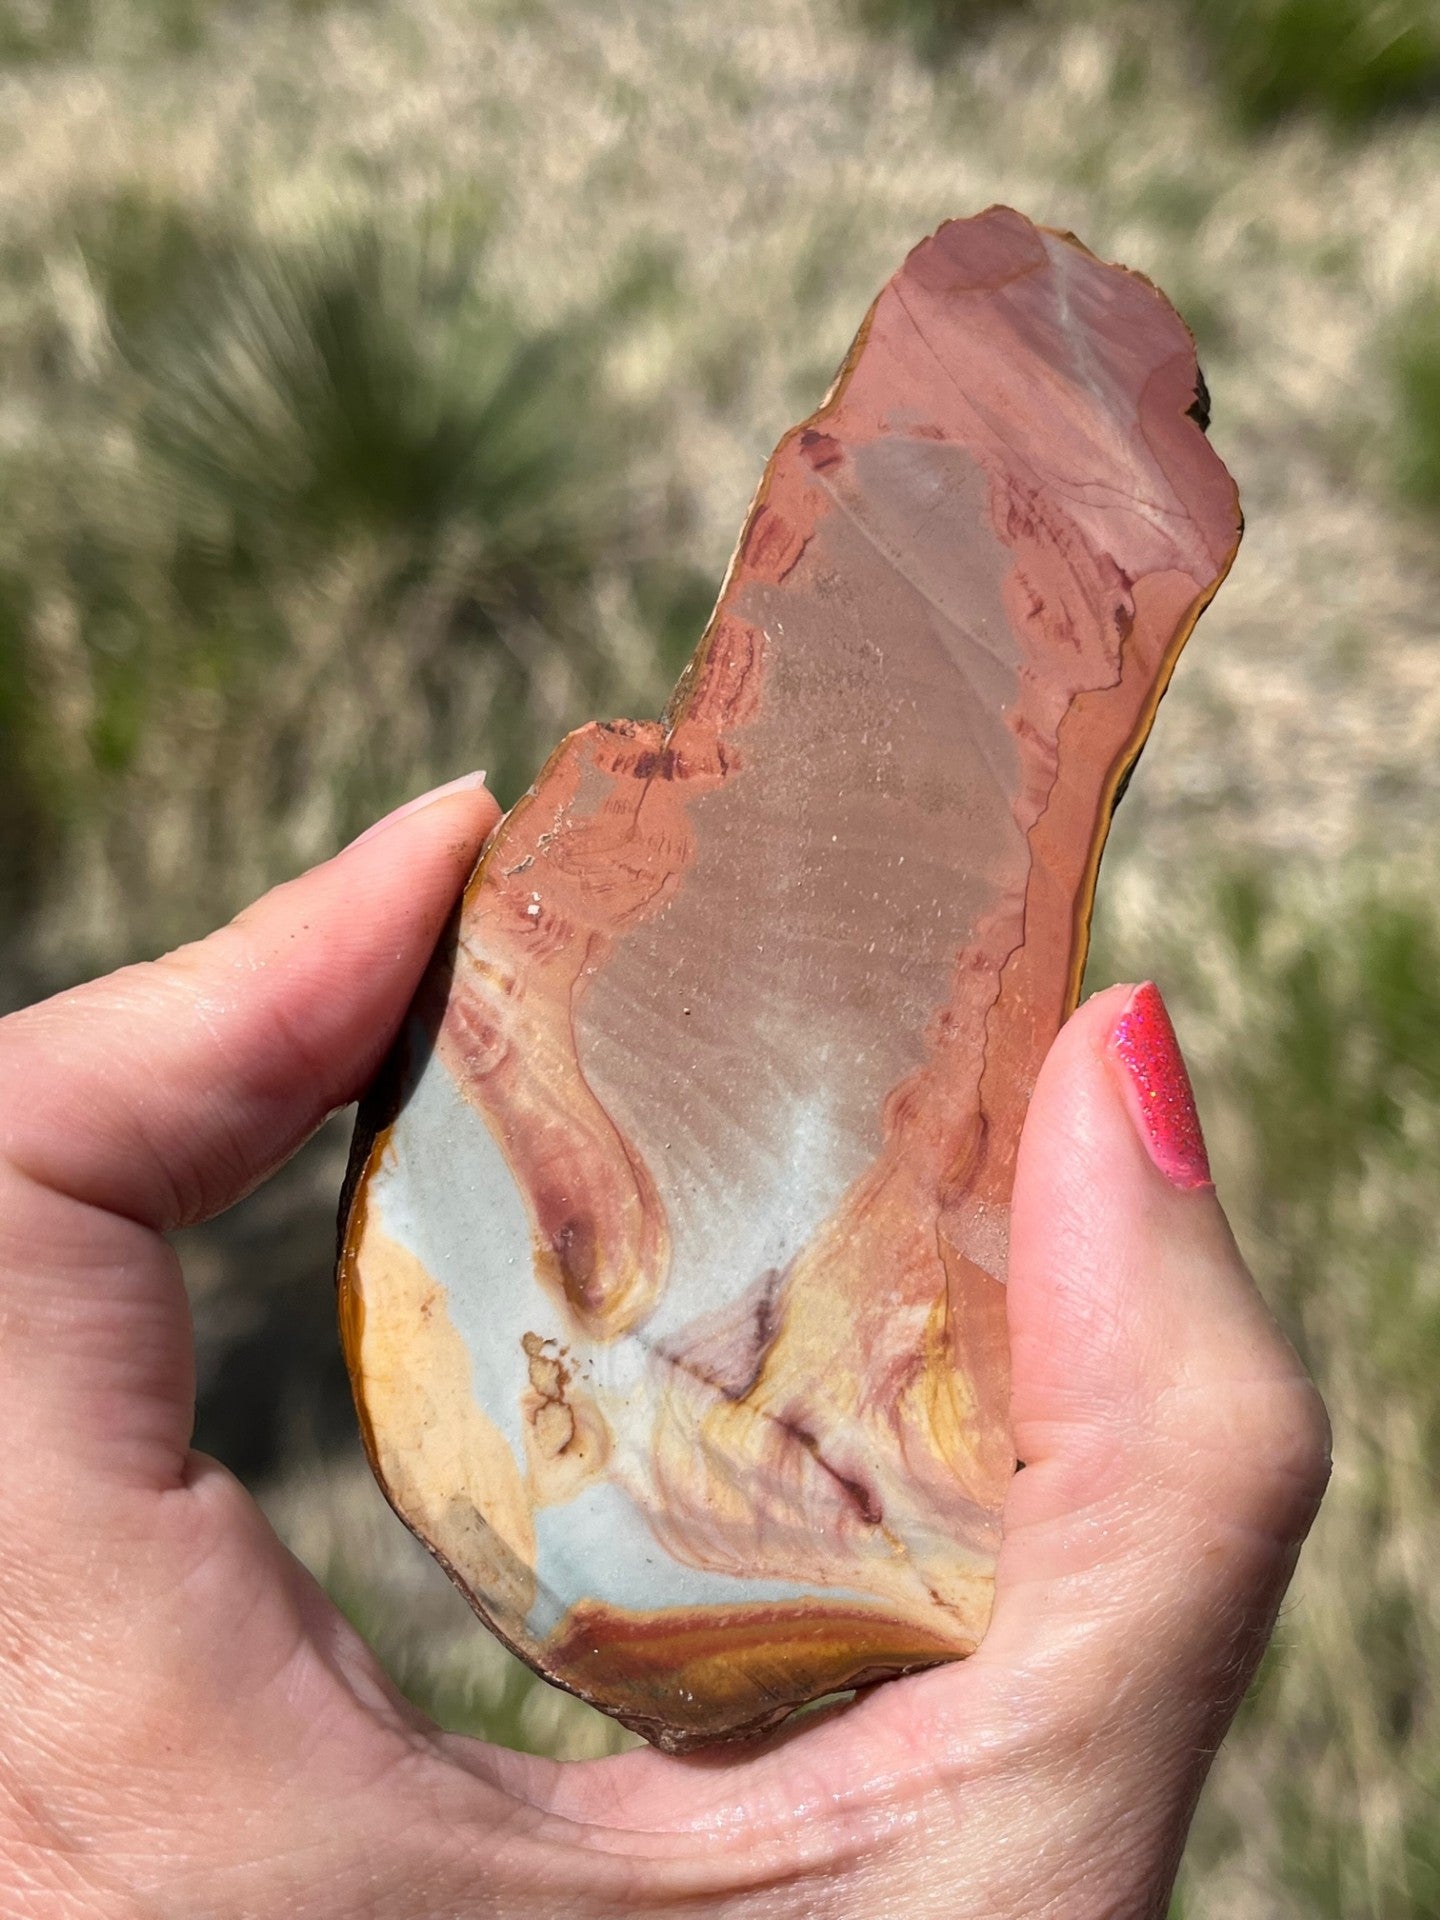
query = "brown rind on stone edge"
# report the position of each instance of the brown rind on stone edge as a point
(1128, 759)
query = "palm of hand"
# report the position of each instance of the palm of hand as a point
(194, 1730)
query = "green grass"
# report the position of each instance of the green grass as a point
(1415, 379)
(47, 31)
(279, 477)
(366, 394)
(1348, 61)
(31, 809)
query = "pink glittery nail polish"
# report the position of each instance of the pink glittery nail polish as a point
(1157, 1089)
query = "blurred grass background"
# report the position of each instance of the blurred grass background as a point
(381, 387)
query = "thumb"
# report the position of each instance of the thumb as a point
(161, 1094)
(1175, 1450)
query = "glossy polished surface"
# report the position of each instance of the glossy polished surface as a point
(672, 1283)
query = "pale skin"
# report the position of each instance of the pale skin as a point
(191, 1730)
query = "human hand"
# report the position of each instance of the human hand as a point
(190, 1729)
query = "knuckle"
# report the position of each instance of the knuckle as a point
(1256, 1455)
(1295, 1444)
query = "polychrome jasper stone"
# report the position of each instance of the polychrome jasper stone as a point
(672, 1279)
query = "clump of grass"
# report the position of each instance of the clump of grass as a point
(289, 488)
(357, 386)
(1415, 379)
(33, 31)
(68, 29)
(1348, 61)
(367, 395)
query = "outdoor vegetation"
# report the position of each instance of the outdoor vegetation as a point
(1348, 61)
(381, 386)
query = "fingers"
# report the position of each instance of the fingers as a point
(1174, 1449)
(166, 1091)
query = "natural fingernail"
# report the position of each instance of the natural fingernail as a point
(462, 785)
(1157, 1089)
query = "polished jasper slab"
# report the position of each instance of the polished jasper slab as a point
(672, 1279)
